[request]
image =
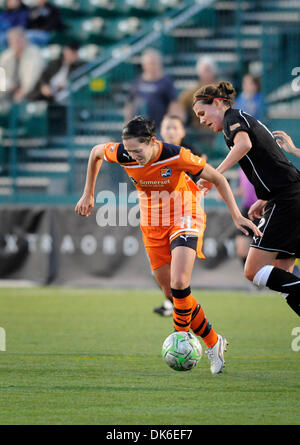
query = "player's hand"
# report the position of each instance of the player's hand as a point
(204, 185)
(285, 141)
(242, 223)
(257, 210)
(85, 205)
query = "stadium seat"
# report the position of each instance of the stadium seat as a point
(108, 8)
(24, 185)
(34, 117)
(87, 30)
(116, 29)
(51, 52)
(70, 8)
(88, 53)
(142, 7)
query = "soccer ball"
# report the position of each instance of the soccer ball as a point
(181, 351)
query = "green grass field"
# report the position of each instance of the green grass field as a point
(93, 357)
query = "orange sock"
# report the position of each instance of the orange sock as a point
(201, 326)
(182, 312)
(188, 314)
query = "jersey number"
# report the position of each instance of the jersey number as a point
(186, 222)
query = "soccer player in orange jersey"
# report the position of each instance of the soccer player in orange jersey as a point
(173, 132)
(172, 221)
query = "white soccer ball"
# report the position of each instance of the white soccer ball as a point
(181, 351)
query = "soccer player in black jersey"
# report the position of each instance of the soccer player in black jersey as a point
(271, 258)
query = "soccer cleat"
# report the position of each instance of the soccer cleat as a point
(166, 310)
(215, 355)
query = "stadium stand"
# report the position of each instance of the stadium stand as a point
(44, 147)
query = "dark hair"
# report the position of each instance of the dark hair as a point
(139, 127)
(223, 90)
(74, 45)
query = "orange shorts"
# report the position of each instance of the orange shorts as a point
(157, 241)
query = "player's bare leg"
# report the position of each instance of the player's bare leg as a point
(242, 247)
(183, 259)
(286, 264)
(163, 278)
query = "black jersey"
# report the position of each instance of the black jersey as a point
(265, 164)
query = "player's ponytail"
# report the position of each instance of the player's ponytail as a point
(222, 90)
(141, 128)
(226, 90)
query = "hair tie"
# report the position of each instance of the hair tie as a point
(209, 97)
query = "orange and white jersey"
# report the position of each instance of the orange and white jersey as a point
(167, 196)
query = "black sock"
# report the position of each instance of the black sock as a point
(294, 302)
(287, 283)
(283, 281)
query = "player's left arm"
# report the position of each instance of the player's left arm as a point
(223, 187)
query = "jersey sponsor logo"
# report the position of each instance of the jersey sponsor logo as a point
(133, 180)
(234, 126)
(154, 183)
(112, 147)
(166, 172)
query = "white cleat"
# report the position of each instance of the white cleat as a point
(216, 355)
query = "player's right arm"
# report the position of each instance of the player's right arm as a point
(242, 144)
(86, 203)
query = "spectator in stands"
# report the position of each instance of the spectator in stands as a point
(54, 79)
(173, 132)
(153, 93)
(206, 71)
(23, 66)
(15, 14)
(43, 19)
(250, 99)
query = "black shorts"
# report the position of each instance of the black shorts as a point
(190, 241)
(280, 224)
